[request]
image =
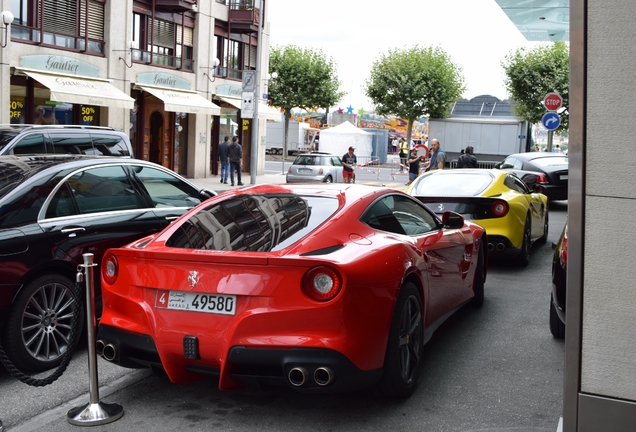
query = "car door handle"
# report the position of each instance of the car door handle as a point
(73, 231)
(172, 217)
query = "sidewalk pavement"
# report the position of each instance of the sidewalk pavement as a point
(214, 181)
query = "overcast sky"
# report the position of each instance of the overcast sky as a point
(475, 33)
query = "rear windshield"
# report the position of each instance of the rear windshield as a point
(455, 184)
(5, 138)
(550, 161)
(11, 175)
(310, 160)
(254, 223)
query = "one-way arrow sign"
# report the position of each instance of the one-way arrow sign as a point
(551, 121)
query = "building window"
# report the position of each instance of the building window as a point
(76, 25)
(234, 57)
(162, 42)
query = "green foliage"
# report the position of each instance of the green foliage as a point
(306, 79)
(532, 74)
(415, 82)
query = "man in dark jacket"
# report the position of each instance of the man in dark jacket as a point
(225, 165)
(467, 160)
(235, 158)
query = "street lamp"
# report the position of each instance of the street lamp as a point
(7, 19)
(215, 63)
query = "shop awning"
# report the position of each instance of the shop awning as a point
(264, 111)
(82, 91)
(182, 101)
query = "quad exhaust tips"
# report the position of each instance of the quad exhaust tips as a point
(323, 376)
(299, 376)
(107, 351)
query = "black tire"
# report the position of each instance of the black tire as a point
(38, 327)
(402, 361)
(557, 327)
(478, 281)
(328, 179)
(546, 225)
(523, 259)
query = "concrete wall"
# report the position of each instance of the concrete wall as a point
(608, 362)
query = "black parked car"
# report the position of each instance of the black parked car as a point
(557, 299)
(552, 169)
(53, 209)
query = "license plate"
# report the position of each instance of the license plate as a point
(564, 177)
(304, 170)
(196, 302)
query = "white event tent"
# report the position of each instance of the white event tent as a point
(338, 139)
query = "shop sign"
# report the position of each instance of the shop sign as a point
(59, 64)
(162, 79)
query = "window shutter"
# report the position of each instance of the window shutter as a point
(249, 59)
(163, 33)
(60, 16)
(187, 36)
(95, 19)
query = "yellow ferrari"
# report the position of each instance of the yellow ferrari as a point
(498, 200)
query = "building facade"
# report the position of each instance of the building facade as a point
(167, 72)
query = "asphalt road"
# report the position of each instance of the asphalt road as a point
(491, 369)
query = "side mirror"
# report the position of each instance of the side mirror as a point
(452, 220)
(206, 193)
(498, 165)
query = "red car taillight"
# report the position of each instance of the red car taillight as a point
(542, 179)
(321, 171)
(564, 250)
(499, 208)
(321, 283)
(289, 170)
(110, 268)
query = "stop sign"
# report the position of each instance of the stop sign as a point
(552, 101)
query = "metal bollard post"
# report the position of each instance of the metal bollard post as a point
(95, 412)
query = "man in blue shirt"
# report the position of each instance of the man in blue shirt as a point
(438, 157)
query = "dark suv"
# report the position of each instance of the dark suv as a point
(63, 139)
(55, 208)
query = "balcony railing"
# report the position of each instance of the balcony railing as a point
(244, 16)
(75, 43)
(161, 60)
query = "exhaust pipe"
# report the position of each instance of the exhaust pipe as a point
(109, 352)
(297, 376)
(323, 376)
(99, 347)
(500, 247)
(491, 247)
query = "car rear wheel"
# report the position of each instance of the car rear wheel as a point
(404, 349)
(328, 179)
(557, 327)
(38, 328)
(478, 281)
(523, 259)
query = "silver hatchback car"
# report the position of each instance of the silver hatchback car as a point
(315, 167)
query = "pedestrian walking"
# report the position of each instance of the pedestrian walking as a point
(404, 153)
(395, 144)
(235, 158)
(349, 161)
(467, 160)
(438, 157)
(414, 166)
(223, 159)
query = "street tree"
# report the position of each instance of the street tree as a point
(306, 79)
(533, 73)
(414, 82)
